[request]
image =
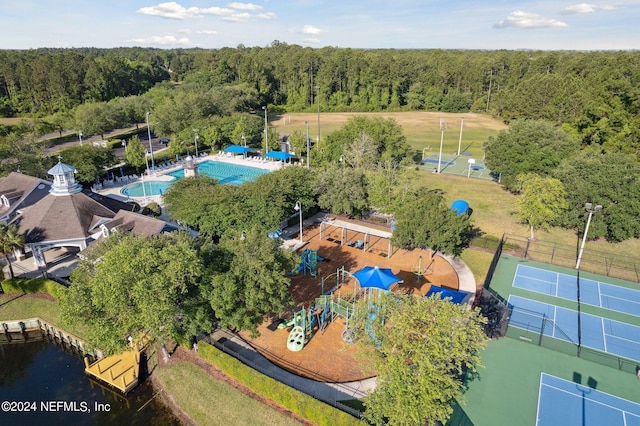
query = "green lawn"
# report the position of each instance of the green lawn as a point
(212, 402)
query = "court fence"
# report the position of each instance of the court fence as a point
(597, 262)
(537, 329)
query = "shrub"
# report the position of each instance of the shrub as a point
(152, 209)
(305, 406)
(36, 285)
(136, 205)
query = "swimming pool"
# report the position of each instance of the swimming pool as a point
(225, 173)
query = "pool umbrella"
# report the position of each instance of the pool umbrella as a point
(376, 277)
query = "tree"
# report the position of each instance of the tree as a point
(10, 241)
(608, 179)
(542, 200)
(126, 285)
(426, 221)
(136, 153)
(421, 350)
(252, 281)
(390, 184)
(528, 146)
(89, 161)
(361, 153)
(342, 189)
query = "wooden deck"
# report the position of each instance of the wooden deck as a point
(120, 371)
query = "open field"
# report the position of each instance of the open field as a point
(4, 121)
(422, 129)
(211, 401)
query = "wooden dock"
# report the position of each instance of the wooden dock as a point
(120, 371)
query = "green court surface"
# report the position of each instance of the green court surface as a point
(457, 165)
(505, 391)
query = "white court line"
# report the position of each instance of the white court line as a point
(604, 335)
(542, 374)
(600, 295)
(590, 399)
(557, 284)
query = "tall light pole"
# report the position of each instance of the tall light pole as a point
(80, 136)
(195, 140)
(442, 126)
(153, 164)
(460, 138)
(266, 131)
(298, 208)
(318, 100)
(244, 140)
(307, 123)
(591, 209)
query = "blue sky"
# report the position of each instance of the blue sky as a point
(498, 24)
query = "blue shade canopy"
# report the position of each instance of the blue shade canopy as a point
(456, 296)
(460, 206)
(237, 149)
(278, 155)
(376, 277)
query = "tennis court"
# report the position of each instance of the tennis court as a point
(564, 286)
(561, 402)
(602, 334)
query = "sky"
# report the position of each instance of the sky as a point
(371, 24)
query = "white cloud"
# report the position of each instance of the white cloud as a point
(581, 8)
(237, 17)
(173, 10)
(167, 40)
(520, 19)
(244, 6)
(311, 30)
(199, 32)
(268, 15)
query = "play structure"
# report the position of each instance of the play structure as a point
(340, 302)
(364, 243)
(309, 262)
(460, 207)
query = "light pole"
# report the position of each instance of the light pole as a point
(244, 140)
(460, 138)
(195, 140)
(124, 143)
(80, 136)
(298, 208)
(591, 209)
(266, 131)
(307, 123)
(318, 100)
(153, 164)
(441, 141)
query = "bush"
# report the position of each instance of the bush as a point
(36, 285)
(152, 209)
(305, 406)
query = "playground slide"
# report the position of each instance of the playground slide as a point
(295, 342)
(286, 324)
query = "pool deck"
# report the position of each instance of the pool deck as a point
(113, 189)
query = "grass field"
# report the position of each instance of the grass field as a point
(421, 128)
(10, 121)
(210, 401)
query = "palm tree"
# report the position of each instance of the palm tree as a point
(10, 240)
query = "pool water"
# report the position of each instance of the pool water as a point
(225, 173)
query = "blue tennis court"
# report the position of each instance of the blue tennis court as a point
(561, 402)
(595, 293)
(602, 334)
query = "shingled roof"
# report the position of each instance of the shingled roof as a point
(56, 218)
(17, 187)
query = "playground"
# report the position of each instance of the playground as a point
(313, 340)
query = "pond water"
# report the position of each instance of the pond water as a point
(50, 382)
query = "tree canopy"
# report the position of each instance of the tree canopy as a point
(127, 285)
(421, 350)
(425, 221)
(541, 202)
(528, 146)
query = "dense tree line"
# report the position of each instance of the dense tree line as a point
(596, 94)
